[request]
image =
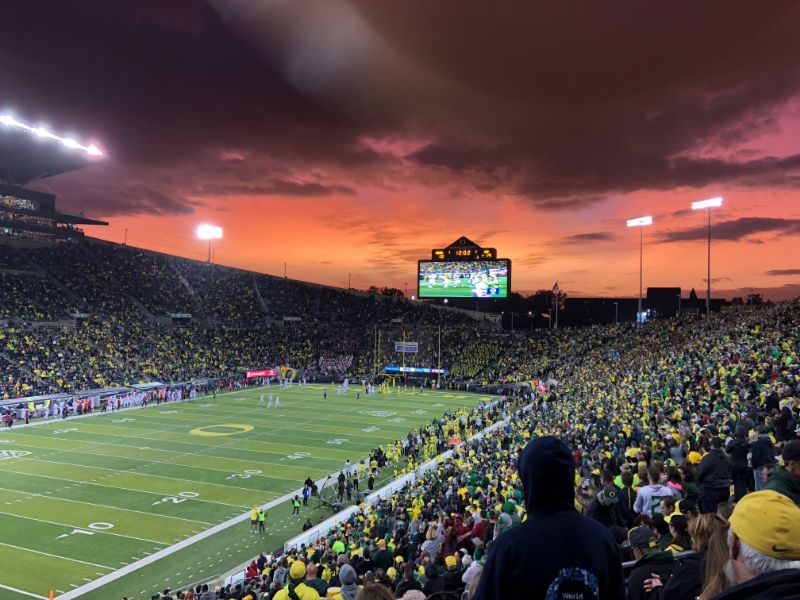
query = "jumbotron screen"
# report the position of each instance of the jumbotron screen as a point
(464, 279)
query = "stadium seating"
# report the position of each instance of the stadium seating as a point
(127, 296)
(632, 403)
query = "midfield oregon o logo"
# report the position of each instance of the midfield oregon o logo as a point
(220, 430)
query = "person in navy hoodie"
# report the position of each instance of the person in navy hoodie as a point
(556, 554)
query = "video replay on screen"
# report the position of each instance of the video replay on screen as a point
(464, 279)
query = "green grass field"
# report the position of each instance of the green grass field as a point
(82, 498)
(459, 291)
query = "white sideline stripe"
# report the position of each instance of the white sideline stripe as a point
(91, 564)
(58, 419)
(113, 576)
(23, 592)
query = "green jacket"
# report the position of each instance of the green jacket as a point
(785, 483)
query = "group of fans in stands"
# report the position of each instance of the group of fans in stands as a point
(672, 447)
(239, 321)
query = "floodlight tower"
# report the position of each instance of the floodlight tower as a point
(641, 223)
(209, 232)
(708, 204)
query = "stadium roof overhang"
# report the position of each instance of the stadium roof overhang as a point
(73, 219)
(26, 156)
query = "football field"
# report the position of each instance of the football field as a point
(144, 499)
(463, 289)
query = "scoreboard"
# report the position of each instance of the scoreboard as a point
(464, 270)
(464, 249)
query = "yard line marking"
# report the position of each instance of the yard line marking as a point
(270, 432)
(57, 556)
(100, 531)
(116, 487)
(173, 463)
(141, 512)
(164, 552)
(126, 472)
(318, 422)
(233, 443)
(23, 592)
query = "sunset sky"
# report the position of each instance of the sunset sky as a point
(352, 136)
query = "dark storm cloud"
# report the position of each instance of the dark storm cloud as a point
(595, 236)
(275, 187)
(132, 198)
(783, 272)
(532, 260)
(570, 127)
(735, 230)
(559, 103)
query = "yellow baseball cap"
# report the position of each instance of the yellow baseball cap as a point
(450, 561)
(769, 522)
(297, 570)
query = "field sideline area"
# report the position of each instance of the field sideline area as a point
(81, 498)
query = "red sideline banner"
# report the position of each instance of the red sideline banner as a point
(262, 373)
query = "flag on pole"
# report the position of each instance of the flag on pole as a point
(556, 289)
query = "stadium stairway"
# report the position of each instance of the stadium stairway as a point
(54, 280)
(259, 297)
(135, 301)
(197, 309)
(14, 364)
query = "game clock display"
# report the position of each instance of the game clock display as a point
(464, 279)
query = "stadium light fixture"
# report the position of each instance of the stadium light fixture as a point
(710, 203)
(44, 133)
(209, 232)
(700, 205)
(641, 223)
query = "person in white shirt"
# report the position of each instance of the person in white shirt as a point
(648, 499)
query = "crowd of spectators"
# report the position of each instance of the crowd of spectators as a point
(673, 448)
(128, 332)
(32, 297)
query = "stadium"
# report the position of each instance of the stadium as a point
(176, 428)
